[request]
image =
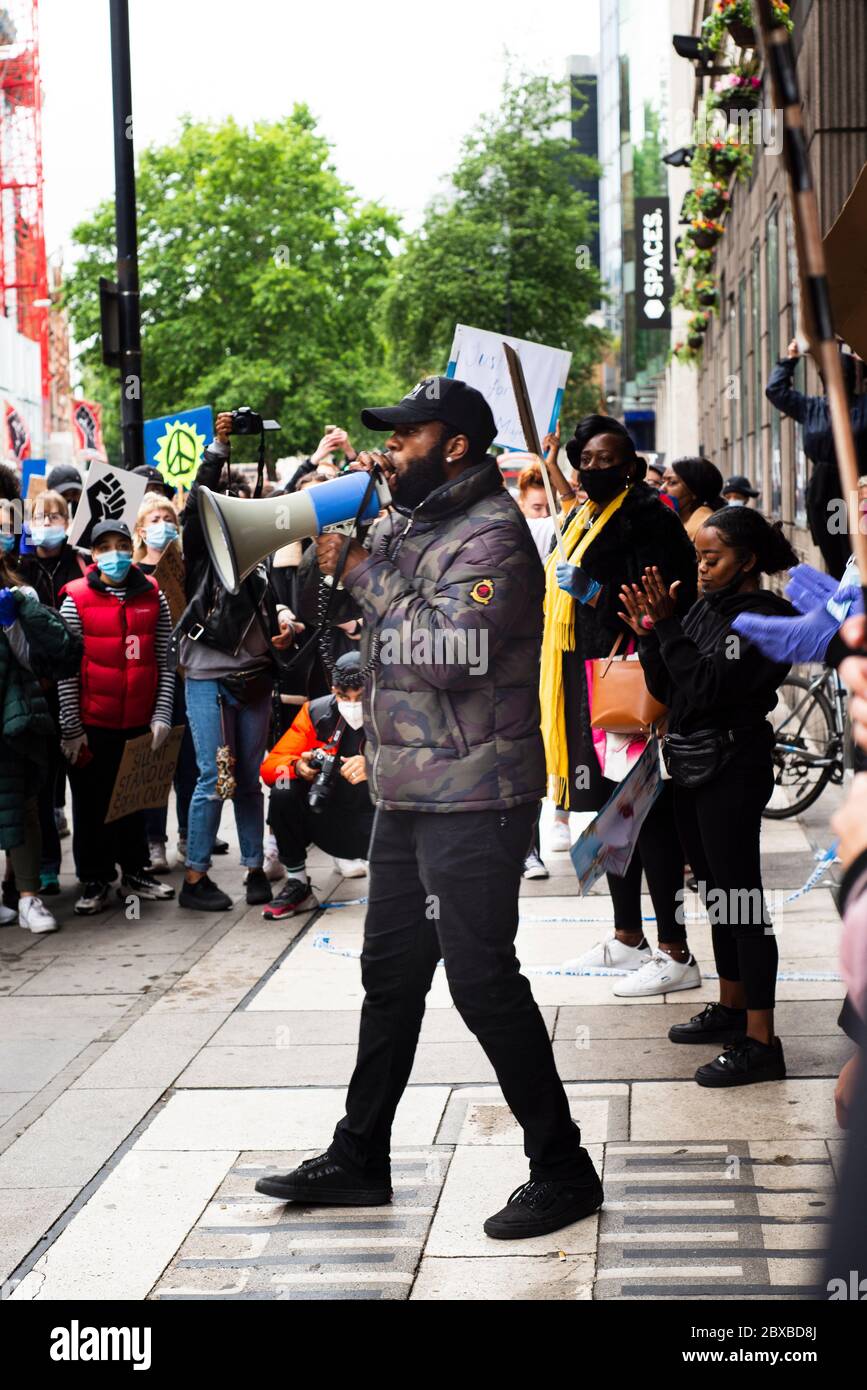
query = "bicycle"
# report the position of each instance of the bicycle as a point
(812, 746)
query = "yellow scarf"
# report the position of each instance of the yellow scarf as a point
(559, 637)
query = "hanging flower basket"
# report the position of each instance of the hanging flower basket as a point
(723, 157)
(705, 293)
(705, 233)
(736, 92)
(697, 325)
(710, 199)
(743, 34)
(695, 341)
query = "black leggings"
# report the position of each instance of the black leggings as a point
(720, 828)
(660, 856)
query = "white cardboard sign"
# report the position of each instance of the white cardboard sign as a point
(109, 494)
(477, 358)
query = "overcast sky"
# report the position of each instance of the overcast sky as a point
(394, 87)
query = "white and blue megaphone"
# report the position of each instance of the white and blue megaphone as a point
(240, 531)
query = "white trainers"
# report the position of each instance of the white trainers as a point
(561, 840)
(534, 867)
(351, 868)
(272, 867)
(34, 916)
(613, 954)
(661, 975)
(8, 915)
(157, 855)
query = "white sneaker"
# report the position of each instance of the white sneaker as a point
(157, 854)
(351, 868)
(561, 840)
(661, 975)
(613, 954)
(8, 915)
(34, 916)
(272, 867)
(534, 867)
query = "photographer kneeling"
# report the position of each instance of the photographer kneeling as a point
(320, 794)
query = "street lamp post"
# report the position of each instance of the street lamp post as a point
(128, 321)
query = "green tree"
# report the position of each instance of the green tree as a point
(261, 275)
(507, 248)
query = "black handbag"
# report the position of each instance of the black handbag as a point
(694, 759)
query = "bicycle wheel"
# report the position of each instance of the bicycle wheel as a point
(804, 732)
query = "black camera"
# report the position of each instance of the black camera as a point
(322, 790)
(247, 421)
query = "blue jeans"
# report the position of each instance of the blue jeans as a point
(247, 728)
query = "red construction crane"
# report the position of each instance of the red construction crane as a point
(24, 293)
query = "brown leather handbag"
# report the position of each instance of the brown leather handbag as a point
(620, 702)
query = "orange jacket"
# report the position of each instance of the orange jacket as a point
(299, 738)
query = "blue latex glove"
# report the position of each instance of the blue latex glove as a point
(8, 608)
(575, 581)
(789, 639)
(809, 588)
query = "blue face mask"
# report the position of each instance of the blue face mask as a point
(48, 536)
(114, 564)
(160, 533)
(7, 544)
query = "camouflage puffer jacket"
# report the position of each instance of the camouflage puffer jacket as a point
(453, 598)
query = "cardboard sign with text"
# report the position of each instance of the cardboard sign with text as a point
(144, 778)
(169, 575)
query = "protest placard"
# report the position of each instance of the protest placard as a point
(608, 843)
(144, 777)
(169, 575)
(477, 358)
(110, 494)
(175, 443)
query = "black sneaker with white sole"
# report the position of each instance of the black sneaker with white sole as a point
(204, 896)
(539, 1207)
(94, 897)
(296, 895)
(322, 1181)
(144, 885)
(744, 1063)
(715, 1024)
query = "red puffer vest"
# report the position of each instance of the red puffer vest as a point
(119, 675)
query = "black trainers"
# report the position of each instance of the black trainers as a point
(204, 896)
(144, 885)
(295, 896)
(715, 1024)
(321, 1181)
(94, 897)
(744, 1063)
(537, 1208)
(257, 887)
(220, 847)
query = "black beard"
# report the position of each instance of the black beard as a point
(420, 479)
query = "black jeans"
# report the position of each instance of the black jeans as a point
(660, 855)
(446, 885)
(342, 828)
(720, 827)
(96, 847)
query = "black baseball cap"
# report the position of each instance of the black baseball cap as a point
(443, 398)
(738, 483)
(64, 478)
(109, 528)
(153, 475)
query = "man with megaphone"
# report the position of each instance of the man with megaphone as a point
(450, 588)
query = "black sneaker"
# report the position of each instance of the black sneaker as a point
(295, 896)
(744, 1063)
(257, 887)
(322, 1181)
(93, 898)
(715, 1024)
(537, 1208)
(220, 847)
(204, 896)
(144, 885)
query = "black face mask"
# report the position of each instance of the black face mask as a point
(601, 484)
(728, 590)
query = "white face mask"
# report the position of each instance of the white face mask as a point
(352, 712)
(735, 502)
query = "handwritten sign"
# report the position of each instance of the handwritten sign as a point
(477, 358)
(169, 575)
(144, 778)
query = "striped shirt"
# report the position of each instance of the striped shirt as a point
(69, 691)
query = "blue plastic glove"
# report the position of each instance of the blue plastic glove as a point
(789, 639)
(8, 608)
(809, 588)
(573, 580)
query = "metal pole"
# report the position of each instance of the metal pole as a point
(131, 406)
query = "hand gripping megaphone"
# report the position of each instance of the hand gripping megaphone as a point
(240, 532)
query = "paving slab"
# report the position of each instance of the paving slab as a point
(773, 1110)
(312, 1064)
(279, 1119)
(81, 1018)
(337, 1027)
(107, 973)
(29, 1065)
(808, 1018)
(499, 1279)
(74, 1138)
(479, 1115)
(152, 1052)
(24, 1218)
